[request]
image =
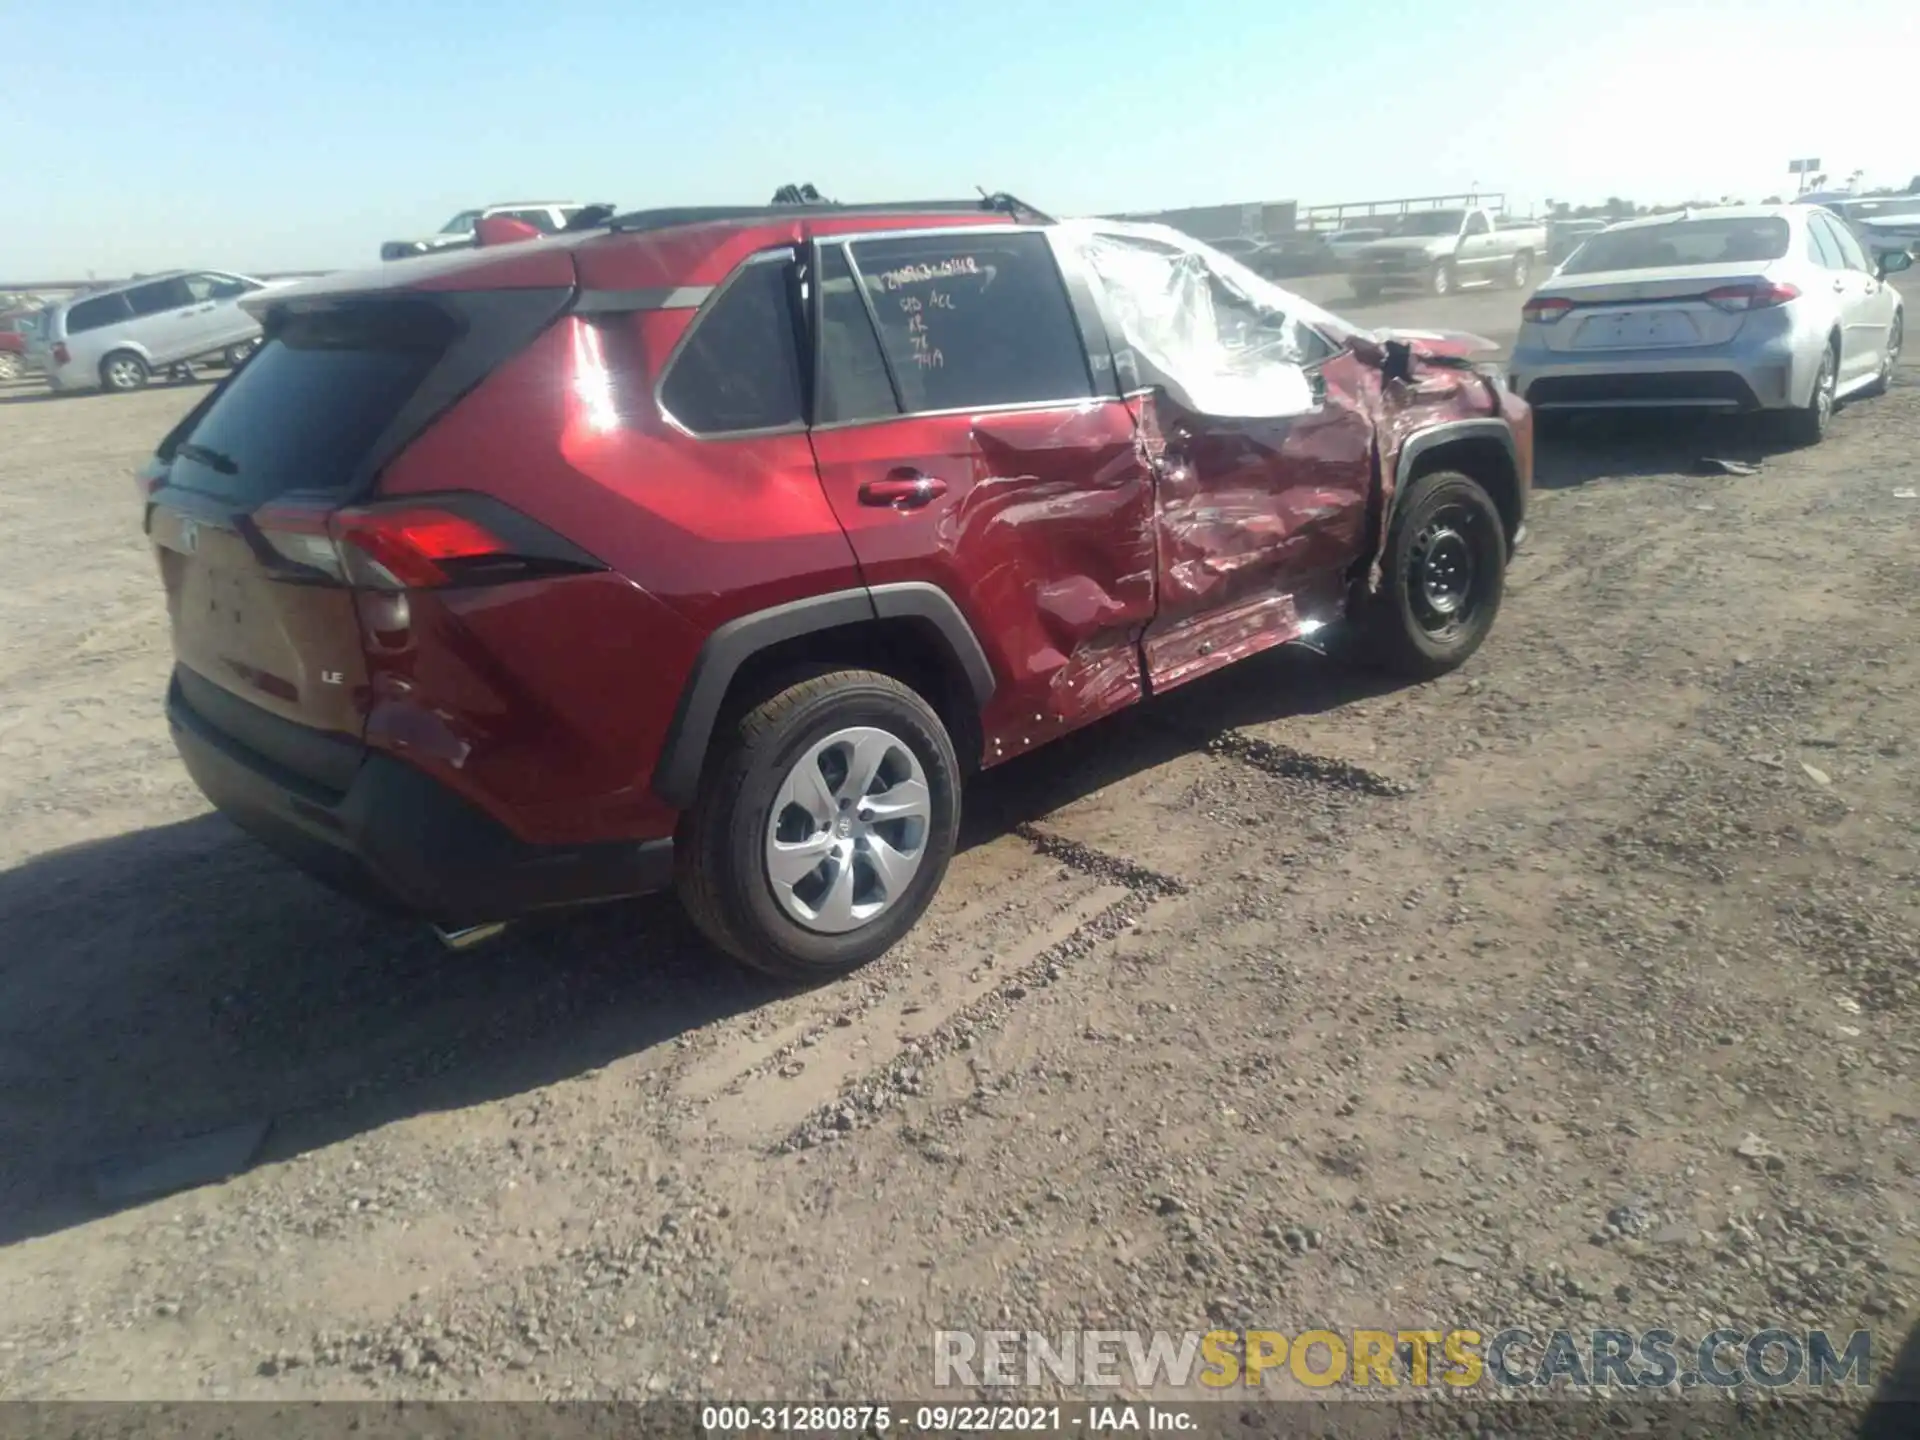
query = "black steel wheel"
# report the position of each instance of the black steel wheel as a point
(1444, 576)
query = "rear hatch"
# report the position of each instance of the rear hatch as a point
(248, 495)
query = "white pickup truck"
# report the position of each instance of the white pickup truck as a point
(1440, 251)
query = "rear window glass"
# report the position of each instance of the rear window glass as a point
(101, 310)
(1429, 223)
(1750, 240)
(974, 319)
(853, 383)
(304, 411)
(160, 296)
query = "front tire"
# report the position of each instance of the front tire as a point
(1365, 294)
(1891, 360)
(1441, 282)
(1444, 574)
(12, 367)
(123, 372)
(825, 821)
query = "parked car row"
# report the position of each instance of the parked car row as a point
(1883, 222)
(1760, 308)
(547, 217)
(14, 329)
(1303, 252)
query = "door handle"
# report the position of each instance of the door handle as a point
(903, 490)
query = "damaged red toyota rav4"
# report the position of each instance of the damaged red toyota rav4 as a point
(714, 548)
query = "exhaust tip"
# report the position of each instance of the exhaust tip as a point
(469, 936)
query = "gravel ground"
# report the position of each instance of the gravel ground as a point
(1578, 988)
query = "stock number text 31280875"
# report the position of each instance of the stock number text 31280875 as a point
(848, 1419)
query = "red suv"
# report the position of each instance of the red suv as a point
(713, 548)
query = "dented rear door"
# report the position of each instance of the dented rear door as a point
(1256, 522)
(966, 440)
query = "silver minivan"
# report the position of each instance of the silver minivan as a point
(118, 338)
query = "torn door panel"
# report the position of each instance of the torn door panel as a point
(1257, 523)
(1066, 565)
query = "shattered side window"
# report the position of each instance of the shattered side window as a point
(1231, 342)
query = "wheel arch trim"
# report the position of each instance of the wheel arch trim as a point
(1447, 433)
(676, 776)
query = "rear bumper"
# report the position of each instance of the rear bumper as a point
(399, 840)
(1742, 375)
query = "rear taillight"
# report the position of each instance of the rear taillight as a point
(1760, 295)
(419, 545)
(62, 355)
(414, 548)
(1545, 309)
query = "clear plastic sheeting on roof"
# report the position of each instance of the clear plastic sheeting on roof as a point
(1226, 341)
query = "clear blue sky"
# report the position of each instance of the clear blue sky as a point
(270, 134)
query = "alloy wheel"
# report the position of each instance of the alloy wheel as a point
(1824, 388)
(125, 373)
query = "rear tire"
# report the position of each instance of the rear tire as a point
(11, 366)
(123, 372)
(1522, 270)
(234, 354)
(1808, 424)
(785, 784)
(1365, 293)
(1444, 574)
(1891, 360)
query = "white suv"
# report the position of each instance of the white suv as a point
(120, 337)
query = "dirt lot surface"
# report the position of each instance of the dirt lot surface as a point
(1577, 988)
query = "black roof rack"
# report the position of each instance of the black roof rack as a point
(792, 200)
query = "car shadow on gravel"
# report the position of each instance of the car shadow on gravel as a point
(181, 981)
(40, 394)
(1279, 684)
(1637, 444)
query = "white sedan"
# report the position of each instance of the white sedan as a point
(1736, 308)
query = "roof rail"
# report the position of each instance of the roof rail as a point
(793, 200)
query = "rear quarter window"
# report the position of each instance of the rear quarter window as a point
(738, 368)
